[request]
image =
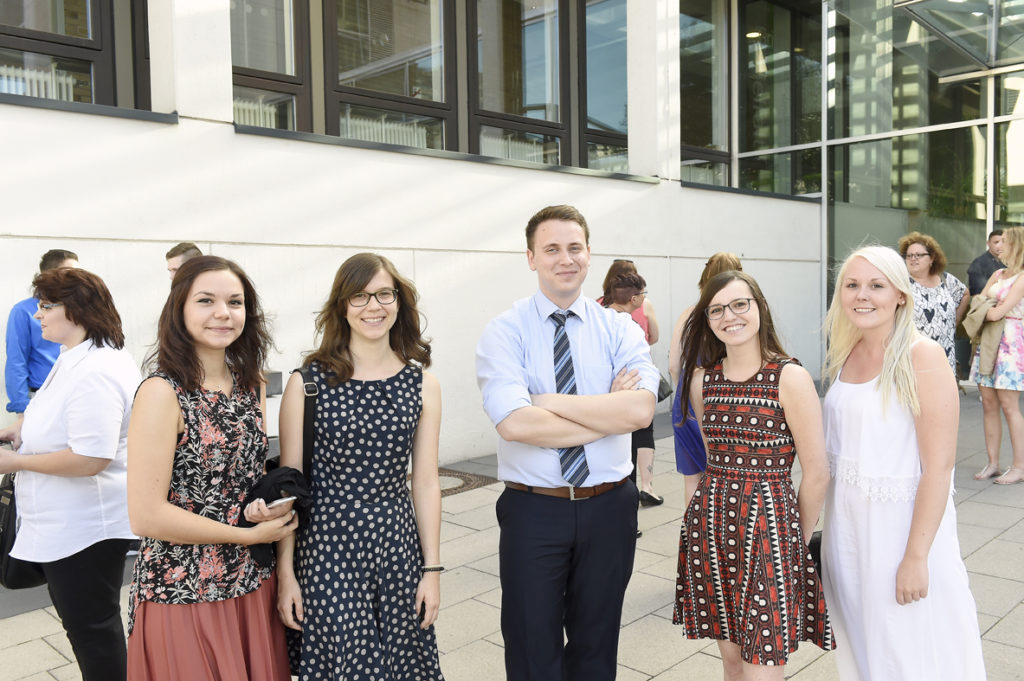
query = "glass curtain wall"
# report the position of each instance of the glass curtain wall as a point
(930, 182)
(899, 75)
(780, 96)
(923, 109)
(924, 121)
(1008, 207)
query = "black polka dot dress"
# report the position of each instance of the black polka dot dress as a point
(358, 562)
(745, 574)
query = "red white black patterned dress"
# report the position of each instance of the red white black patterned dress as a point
(745, 574)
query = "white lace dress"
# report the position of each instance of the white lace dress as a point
(875, 470)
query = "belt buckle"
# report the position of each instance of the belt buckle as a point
(572, 494)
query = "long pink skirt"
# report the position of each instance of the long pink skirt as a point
(240, 638)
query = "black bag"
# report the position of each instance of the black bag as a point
(815, 548)
(665, 388)
(14, 573)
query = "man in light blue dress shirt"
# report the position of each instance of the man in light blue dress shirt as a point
(566, 552)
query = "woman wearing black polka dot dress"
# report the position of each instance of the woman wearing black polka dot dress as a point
(365, 588)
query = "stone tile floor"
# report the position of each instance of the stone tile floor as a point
(991, 524)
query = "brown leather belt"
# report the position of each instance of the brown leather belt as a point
(571, 493)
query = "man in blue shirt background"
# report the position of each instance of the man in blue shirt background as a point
(568, 526)
(29, 356)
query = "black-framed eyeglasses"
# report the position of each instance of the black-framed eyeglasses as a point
(385, 296)
(739, 306)
(46, 307)
(916, 256)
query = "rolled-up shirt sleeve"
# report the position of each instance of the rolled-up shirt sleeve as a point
(94, 413)
(501, 369)
(633, 352)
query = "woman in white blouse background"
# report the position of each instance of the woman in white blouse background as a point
(70, 463)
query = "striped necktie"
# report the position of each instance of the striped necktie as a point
(573, 459)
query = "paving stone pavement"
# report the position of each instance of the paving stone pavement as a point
(991, 527)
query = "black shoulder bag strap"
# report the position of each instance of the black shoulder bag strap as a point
(310, 390)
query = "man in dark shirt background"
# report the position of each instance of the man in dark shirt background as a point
(986, 263)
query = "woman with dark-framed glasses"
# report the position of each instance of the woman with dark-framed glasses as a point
(365, 589)
(746, 577)
(72, 467)
(940, 299)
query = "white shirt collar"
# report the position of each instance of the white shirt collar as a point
(72, 356)
(545, 307)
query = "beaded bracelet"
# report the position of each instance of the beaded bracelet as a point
(433, 568)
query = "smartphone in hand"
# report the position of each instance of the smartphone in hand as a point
(282, 500)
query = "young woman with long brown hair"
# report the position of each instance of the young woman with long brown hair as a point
(202, 608)
(365, 590)
(746, 577)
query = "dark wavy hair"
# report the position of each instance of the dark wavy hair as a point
(701, 347)
(175, 352)
(332, 324)
(86, 300)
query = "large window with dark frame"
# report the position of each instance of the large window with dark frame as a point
(603, 89)
(58, 49)
(389, 70)
(390, 75)
(270, 60)
(704, 92)
(64, 50)
(518, 54)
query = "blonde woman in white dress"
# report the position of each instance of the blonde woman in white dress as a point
(896, 588)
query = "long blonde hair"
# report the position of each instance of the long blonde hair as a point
(1013, 245)
(842, 336)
